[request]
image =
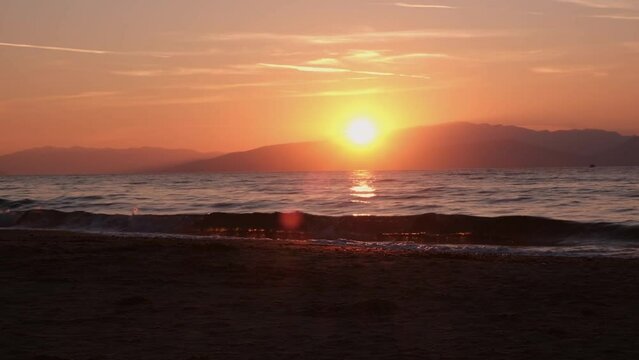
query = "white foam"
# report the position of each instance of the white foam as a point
(619, 250)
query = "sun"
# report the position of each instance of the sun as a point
(362, 131)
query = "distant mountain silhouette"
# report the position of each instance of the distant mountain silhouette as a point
(445, 146)
(308, 156)
(625, 154)
(77, 160)
(578, 142)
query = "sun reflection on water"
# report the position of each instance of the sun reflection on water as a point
(363, 186)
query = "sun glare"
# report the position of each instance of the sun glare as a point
(361, 131)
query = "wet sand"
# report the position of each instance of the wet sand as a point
(71, 296)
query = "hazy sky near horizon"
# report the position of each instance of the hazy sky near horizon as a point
(231, 75)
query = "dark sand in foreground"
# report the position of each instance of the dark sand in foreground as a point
(65, 296)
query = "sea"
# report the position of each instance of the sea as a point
(595, 211)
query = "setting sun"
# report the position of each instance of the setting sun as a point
(362, 131)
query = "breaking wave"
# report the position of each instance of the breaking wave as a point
(417, 229)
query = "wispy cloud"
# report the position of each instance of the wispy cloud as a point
(207, 99)
(360, 37)
(74, 96)
(306, 68)
(279, 83)
(158, 54)
(119, 99)
(602, 4)
(362, 91)
(570, 70)
(183, 71)
(57, 48)
(395, 58)
(617, 17)
(84, 95)
(423, 6)
(512, 56)
(137, 100)
(324, 61)
(333, 70)
(232, 86)
(375, 57)
(381, 57)
(333, 93)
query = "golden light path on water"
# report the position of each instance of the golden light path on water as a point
(363, 186)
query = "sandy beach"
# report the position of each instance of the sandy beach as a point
(73, 296)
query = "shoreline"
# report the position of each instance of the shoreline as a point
(87, 296)
(569, 249)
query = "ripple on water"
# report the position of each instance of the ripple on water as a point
(608, 194)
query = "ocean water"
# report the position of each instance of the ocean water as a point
(608, 194)
(537, 212)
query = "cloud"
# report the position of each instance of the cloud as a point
(517, 55)
(571, 70)
(374, 57)
(235, 70)
(118, 99)
(158, 54)
(423, 6)
(602, 4)
(616, 17)
(380, 57)
(266, 84)
(333, 93)
(56, 48)
(86, 98)
(306, 68)
(360, 37)
(363, 55)
(177, 101)
(333, 70)
(324, 61)
(86, 94)
(394, 58)
(135, 100)
(80, 95)
(363, 91)
(239, 85)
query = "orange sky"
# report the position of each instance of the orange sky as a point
(231, 75)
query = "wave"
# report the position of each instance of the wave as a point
(14, 204)
(80, 198)
(425, 229)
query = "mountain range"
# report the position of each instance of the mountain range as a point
(443, 146)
